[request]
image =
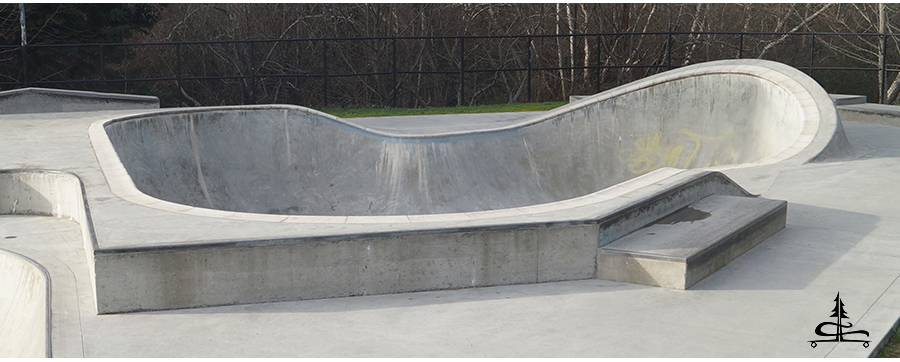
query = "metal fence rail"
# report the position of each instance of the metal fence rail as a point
(392, 71)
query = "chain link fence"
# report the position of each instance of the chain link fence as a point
(433, 71)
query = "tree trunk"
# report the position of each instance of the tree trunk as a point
(559, 52)
(882, 97)
(571, 23)
(585, 73)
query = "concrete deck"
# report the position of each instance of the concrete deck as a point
(841, 236)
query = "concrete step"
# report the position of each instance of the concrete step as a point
(690, 244)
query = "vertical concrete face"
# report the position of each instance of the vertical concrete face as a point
(24, 308)
(48, 193)
(279, 270)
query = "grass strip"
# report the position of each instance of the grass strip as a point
(351, 112)
(891, 349)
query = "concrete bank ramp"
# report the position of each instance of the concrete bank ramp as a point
(24, 307)
(296, 161)
(44, 100)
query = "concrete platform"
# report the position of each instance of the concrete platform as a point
(871, 113)
(690, 244)
(847, 99)
(45, 100)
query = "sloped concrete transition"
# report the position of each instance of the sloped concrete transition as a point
(198, 207)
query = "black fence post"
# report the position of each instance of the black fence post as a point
(528, 72)
(599, 70)
(741, 47)
(812, 52)
(669, 51)
(252, 72)
(883, 68)
(325, 70)
(462, 71)
(102, 72)
(394, 71)
(178, 64)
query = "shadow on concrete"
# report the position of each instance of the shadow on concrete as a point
(17, 197)
(416, 299)
(814, 238)
(872, 140)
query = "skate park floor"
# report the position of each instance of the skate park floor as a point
(842, 236)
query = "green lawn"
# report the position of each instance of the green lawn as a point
(350, 112)
(891, 349)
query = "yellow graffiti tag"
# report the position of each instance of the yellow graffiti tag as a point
(648, 155)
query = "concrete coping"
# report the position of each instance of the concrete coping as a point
(821, 130)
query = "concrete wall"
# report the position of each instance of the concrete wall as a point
(43, 100)
(288, 160)
(24, 308)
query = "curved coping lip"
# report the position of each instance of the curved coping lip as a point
(48, 310)
(781, 75)
(88, 222)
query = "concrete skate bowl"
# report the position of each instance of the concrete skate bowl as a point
(289, 160)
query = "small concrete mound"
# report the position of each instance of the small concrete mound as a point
(44, 100)
(24, 308)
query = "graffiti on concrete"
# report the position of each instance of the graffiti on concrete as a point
(649, 155)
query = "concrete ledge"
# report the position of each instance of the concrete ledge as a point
(44, 100)
(871, 113)
(24, 307)
(686, 246)
(846, 99)
(298, 269)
